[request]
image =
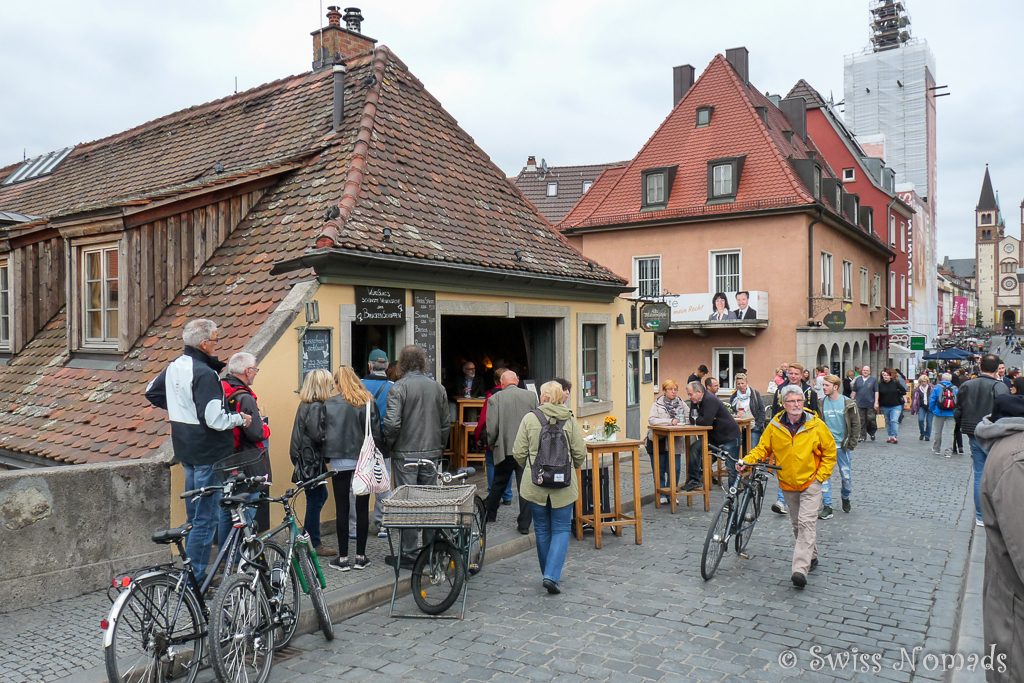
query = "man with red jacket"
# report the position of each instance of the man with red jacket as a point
(250, 441)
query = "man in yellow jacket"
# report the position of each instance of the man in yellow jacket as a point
(801, 444)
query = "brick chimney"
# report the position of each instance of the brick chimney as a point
(334, 43)
(682, 81)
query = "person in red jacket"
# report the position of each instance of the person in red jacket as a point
(251, 440)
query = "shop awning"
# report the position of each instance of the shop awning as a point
(900, 350)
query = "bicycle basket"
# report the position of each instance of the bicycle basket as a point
(430, 506)
(250, 462)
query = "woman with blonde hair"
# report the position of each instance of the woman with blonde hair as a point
(667, 410)
(307, 450)
(551, 507)
(344, 430)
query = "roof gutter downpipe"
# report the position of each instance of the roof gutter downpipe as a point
(810, 266)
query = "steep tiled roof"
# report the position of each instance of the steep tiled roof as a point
(767, 181)
(803, 89)
(534, 186)
(418, 174)
(961, 267)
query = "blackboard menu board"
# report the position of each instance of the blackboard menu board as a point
(380, 305)
(425, 326)
(316, 351)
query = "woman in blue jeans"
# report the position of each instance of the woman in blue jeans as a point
(890, 402)
(551, 507)
(307, 450)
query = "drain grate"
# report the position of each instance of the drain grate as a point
(286, 652)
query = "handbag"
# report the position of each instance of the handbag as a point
(371, 475)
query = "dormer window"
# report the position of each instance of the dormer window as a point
(5, 305)
(586, 185)
(657, 185)
(552, 189)
(724, 178)
(98, 295)
(816, 184)
(839, 197)
(704, 116)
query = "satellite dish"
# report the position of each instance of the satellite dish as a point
(543, 166)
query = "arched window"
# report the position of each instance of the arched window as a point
(1008, 266)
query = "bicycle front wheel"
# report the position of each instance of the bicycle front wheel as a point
(241, 631)
(715, 543)
(478, 537)
(288, 606)
(316, 594)
(155, 632)
(749, 509)
(437, 577)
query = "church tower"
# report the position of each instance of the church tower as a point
(998, 258)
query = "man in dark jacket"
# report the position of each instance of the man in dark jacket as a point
(711, 412)
(505, 411)
(415, 428)
(251, 441)
(201, 431)
(974, 402)
(1002, 497)
(378, 384)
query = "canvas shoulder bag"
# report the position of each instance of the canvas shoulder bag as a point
(371, 475)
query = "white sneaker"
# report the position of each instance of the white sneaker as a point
(978, 522)
(663, 500)
(780, 508)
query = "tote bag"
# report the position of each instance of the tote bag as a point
(371, 475)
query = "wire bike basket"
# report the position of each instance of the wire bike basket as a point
(430, 506)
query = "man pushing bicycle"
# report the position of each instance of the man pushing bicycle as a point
(802, 445)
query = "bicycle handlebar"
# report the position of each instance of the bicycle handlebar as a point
(445, 477)
(261, 480)
(299, 486)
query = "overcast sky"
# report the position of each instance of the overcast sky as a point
(572, 82)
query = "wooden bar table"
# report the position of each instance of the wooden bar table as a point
(746, 425)
(615, 518)
(688, 432)
(467, 412)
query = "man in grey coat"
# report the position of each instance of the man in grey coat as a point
(415, 427)
(1002, 498)
(505, 411)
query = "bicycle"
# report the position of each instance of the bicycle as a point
(456, 548)
(304, 570)
(158, 621)
(738, 515)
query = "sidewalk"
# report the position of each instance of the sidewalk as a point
(62, 642)
(970, 631)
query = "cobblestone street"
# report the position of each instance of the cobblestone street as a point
(889, 581)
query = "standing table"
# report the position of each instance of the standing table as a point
(614, 518)
(688, 432)
(746, 425)
(467, 412)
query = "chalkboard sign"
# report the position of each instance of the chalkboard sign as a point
(380, 306)
(425, 326)
(315, 351)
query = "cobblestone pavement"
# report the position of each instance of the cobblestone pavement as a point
(890, 579)
(886, 591)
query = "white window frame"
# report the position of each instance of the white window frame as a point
(903, 237)
(729, 382)
(865, 289)
(720, 185)
(109, 339)
(816, 181)
(876, 290)
(849, 175)
(903, 291)
(6, 328)
(713, 275)
(650, 183)
(826, 264)
(847, 281)
(640, 277)
(892, 230)
(552, 190)
(587, 184)
(892, 289)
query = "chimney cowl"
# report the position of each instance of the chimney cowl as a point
(531, 164)
(333, 16)
(340, 40)
(353, 19)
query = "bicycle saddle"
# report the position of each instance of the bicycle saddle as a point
(166, 536)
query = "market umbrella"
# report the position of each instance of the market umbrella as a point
(948, 354)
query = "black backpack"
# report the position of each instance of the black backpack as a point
(551, 467)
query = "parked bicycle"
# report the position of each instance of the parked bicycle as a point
(457, 543)
(158, 623)
(738, 515)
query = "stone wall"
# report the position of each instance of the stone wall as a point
(65, 531)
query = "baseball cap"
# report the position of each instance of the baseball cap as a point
(377, 355)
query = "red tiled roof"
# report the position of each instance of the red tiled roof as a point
(534, 186)
(423, 177)
(736, 129)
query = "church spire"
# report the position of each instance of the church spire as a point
(987, 200)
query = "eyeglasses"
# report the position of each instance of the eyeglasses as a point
(794, 401)
(254, 370)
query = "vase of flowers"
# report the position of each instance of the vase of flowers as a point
(611, 426)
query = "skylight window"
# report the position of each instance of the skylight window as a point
(39, 166)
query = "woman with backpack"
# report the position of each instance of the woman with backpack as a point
(942, 404)
(549, 483)
(890, 400)
(307, 450)
(919, 407)
(343, 438)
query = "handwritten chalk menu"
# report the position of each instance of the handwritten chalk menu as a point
(425, 326)
(316, 350)
(380, 305)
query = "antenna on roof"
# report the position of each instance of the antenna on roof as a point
(236, 85)
(543, 167)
